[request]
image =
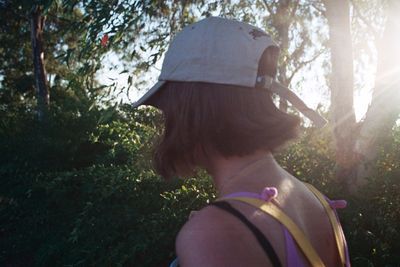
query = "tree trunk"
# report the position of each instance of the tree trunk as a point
(385, 105)
(341, 84)
(42, 92)
(282, 23)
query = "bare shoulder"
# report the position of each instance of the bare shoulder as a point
(207, 221)
(213, 237)
(201, 241)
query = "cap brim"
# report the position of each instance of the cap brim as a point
(144, 100)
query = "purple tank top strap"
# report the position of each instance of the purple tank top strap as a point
(267, 194)
(244, 194)
(292, 255)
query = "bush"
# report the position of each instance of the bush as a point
(372, 221)
(87, 195)
(100, 216)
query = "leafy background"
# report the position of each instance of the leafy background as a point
(77, 189)
(96, 202)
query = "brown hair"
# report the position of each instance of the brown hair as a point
(231, 120)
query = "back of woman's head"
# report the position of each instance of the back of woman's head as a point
(202, 119)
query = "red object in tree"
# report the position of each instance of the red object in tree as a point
(104, 40)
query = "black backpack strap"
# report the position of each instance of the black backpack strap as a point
(262, 240)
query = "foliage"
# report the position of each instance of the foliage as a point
(129, 138)
(100, 216)
(372, 222)
(91, 199)
(25, 142)
(310, 158)
(78, 190)
(113, 210)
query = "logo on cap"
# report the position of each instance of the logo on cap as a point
(257, 33)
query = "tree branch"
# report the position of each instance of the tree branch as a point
(318, 8)
(268, 7)
(304, 63)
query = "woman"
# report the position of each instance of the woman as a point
(215, 94)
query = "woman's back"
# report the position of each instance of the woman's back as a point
(215, 232)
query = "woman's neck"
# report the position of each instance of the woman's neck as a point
(244, 173)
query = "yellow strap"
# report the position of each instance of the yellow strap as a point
(296, 232)
(335, 224)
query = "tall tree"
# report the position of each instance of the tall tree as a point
(37, 21)
(342, 87)
(357, 144)
(385, 105)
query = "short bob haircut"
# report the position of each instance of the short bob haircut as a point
(230, 120)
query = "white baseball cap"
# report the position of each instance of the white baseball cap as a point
(222, 51)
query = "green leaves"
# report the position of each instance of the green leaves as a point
(107, 207)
